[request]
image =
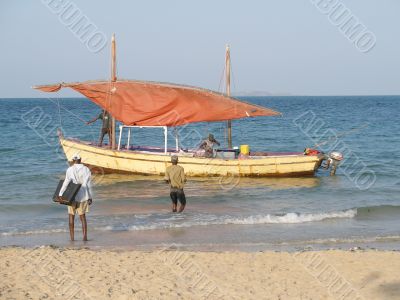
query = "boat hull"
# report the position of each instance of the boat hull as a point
(103, 160)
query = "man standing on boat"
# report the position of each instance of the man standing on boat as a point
(106, 128)
(78, 174)
(175, 176)
(208, 145)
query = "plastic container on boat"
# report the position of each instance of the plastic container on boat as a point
(225, 154)
(244, 149)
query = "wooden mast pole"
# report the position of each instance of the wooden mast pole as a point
(228, 90)
(113, 79)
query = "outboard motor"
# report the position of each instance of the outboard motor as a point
(333, 161)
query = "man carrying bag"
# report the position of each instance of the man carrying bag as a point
(78, 174)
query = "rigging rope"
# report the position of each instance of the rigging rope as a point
(233, 77)
(340, 135)
(59, 112)
(76, 116)
(221, 80)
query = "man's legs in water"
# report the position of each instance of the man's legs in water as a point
(84, 226)
(71, 226)
(182, 200)
(174, 199)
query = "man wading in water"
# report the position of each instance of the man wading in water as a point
(175, 176)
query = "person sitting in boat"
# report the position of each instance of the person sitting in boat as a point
(106, 128)
(208, 145)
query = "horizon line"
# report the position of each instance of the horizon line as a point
(291, 95)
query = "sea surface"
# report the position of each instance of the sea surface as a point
(360, 206)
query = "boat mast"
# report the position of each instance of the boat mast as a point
(113, 79)
(228, 90)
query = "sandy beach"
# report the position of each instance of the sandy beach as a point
(216, 149)
(56, 273)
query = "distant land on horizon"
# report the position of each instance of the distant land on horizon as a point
(261, 93)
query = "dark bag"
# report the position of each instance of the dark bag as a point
(69, 195)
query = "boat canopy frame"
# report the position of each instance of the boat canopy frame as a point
(165, 128)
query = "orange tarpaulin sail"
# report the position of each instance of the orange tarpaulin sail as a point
(161, 104)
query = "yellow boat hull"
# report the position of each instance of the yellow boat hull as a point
(105, 160)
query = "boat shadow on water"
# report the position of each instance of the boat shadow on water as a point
(212, 183)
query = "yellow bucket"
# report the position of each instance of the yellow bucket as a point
(244, 149)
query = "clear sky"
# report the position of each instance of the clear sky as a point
(280, 46)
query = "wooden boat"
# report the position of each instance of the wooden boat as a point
(163, 105)
(154, 161)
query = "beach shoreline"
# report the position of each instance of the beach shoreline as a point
(188, 240)
(170, 273)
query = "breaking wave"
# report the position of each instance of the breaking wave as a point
(31, 232)
(170, 221)
(289, 218)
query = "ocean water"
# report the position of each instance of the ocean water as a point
(360, 206)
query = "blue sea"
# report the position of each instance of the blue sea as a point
(360, 206)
